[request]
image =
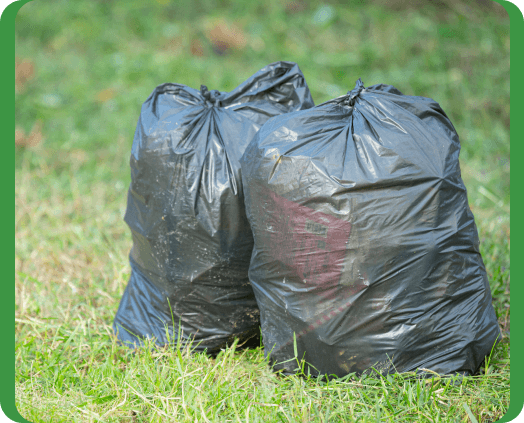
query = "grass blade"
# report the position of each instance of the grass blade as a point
(470, 414)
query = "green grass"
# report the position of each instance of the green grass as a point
(95, 63)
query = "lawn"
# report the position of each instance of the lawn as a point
(83, 70)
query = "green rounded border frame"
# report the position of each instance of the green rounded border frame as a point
(7, 118)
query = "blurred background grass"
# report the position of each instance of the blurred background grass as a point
(84, 68)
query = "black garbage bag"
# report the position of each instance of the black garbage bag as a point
(366, 252)
(191, 239)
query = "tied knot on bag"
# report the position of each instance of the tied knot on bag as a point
(210, 97)
(355, 92)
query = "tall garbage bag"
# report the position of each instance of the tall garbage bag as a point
(191, 239)
(366, 252)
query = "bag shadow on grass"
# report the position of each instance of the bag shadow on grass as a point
(419, 375)
(180, 343)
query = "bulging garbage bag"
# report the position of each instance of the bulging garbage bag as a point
(191, 239)
(366, 252)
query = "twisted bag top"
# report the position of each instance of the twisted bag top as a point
(191, 240)
(366, 252)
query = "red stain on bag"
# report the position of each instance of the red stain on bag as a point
(310, 242)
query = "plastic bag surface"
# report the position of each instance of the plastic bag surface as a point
(366, 251)
(191, 239)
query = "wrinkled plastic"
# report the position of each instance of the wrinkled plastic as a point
(366, 252)
(191, 239)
